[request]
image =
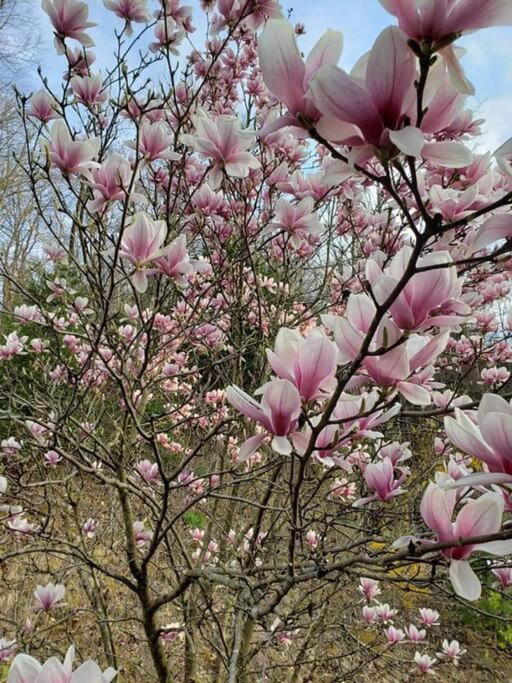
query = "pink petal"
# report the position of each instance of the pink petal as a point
(326, 52)
(436, 508)
(496, 228)
(336, 94)
(413, 393)
(479, 517)
(409, 140)
(250, 446)
(447, 154)
(390, 75)
(464, 580)
(281, 65)
(457, 75)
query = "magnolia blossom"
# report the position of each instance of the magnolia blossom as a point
(286, 74)
(10, 446)
(69, 19)
(371, 109)
(394, 635)
(312, 538)
(141, 536)
(297, 220)
(369, 588)
(89, 527)
(50, 596)
(168, 36)
(176, 263)
(415, 635)
(478, 517)
(142, 242)
(437, 23)
(52, 458)
(277, 413)
(154, 142)
(429, 297)
(429, 617)
(110, 182)
(424, 663)
(307, 362)
(452, 650)
(504, 576)
(222, 140)
(43, 107)
(69, 155)
(27, 669)
(130, 10)
(380, 477)
(89, 90)
(490, 441)
(394, 368)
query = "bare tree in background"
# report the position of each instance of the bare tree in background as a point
(18, 224)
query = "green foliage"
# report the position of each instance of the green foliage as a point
(195, 519)
(492, 604)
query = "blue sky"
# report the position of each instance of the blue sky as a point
(488, 61)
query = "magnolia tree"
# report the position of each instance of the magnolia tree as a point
(256, 383)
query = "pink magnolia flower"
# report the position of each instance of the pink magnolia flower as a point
(80, 62)
(286, 74)
(10, 446)
(309, 363)
(438, 22)
(155, 142)
(429, 297)
(49, 596)
(415, 635)
(27, 669)
(384, 612)
(168, 36)
(312, 538)
(148, 471)
(451, 650)
(69, 155)
(394, 368)
(478, 517)
(52, 458)
(130, 10)
(222, 140)
(176, 263)
(369, 614)
(69, 19)
(253, 13)
(504, 576)
(110, 182)
(28, 314)
(429, 617)
(278, 414)
(373, 113)
(424, 663)
(394, 635)
(141, 243)
(43, 107)
(490, 441)
(298, 220)
(380, 477)
(369, 588)
(141, 536)
(89, 89)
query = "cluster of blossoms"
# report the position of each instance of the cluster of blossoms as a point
(382, 618)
